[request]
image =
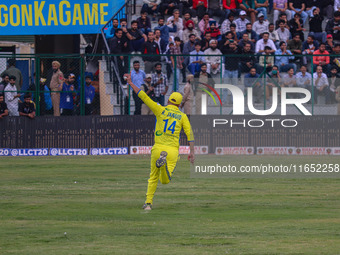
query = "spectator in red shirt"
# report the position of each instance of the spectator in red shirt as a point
(200, 6)
(323, 60)
(213, 30)
(232, 6)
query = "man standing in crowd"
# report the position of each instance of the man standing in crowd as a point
(160, 84)
(188, 95)
(321, 85)
(334, 82)
(247, 59)
(118, 46)
(89, 95)
(149, 90)
(27, 108)
(4, 83)
(252, 80)
(201, 78)
(150, 47)
(13, 71)
(57, 80)
(3, 107)
(66, 97)
(137, 77)
(231, 65)
(12, 97)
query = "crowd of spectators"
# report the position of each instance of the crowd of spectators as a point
(60, 94)
(247, 37)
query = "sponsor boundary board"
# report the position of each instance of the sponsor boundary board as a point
(139, 150)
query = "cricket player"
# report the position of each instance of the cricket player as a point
(164, 154)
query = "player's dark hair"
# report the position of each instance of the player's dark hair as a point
(136, 62)
(158, 64)
(12, 77)
(282, 42)
(134, 21)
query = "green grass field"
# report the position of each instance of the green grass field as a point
(97, 202)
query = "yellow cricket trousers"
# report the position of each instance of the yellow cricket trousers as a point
(163, 173)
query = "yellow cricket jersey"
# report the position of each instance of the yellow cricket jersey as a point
(169, 122)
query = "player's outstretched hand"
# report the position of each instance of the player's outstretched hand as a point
(127, 77)
(191, 158)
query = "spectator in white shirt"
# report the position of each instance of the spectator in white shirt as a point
(176, 20)
(225, 27)
(213, 60)
(261, 25)
(321, 85)
(273, 35)
(283, 33)
(241, 22)
(265, 41)
(12, 97)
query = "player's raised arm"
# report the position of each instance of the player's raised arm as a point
(154, 107)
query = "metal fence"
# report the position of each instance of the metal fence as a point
(112, 97)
